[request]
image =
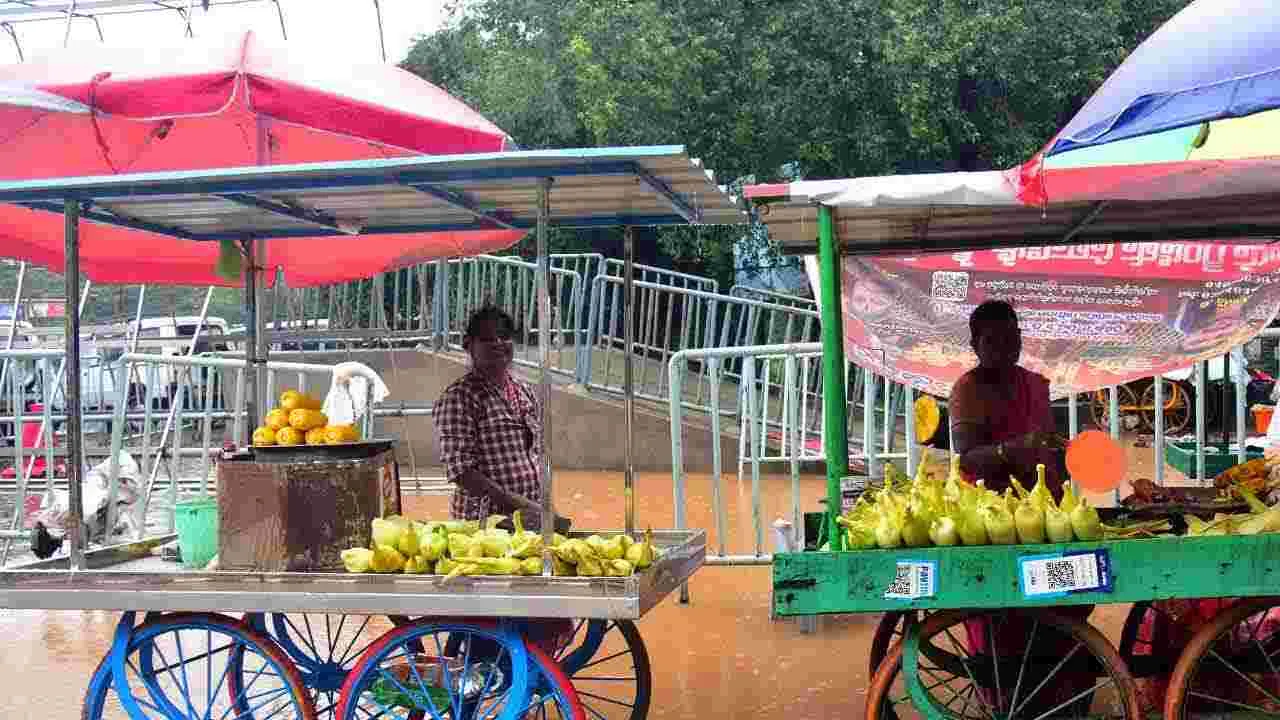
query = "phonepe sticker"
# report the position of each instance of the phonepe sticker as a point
(913, 579)
(1064, 573)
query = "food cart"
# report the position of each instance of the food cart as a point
(932, 595)
(189, 654)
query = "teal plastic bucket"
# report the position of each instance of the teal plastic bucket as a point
(197, 523)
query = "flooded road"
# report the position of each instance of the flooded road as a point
(718, 657)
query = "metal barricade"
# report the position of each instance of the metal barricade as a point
(674, 319)
(170, 430)
(773, 376)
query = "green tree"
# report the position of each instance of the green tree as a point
(774, 91)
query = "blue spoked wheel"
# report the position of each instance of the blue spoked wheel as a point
(608, 664)
(324, 647)
(196, 666)
(458, 670)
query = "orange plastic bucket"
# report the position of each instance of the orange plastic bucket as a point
(1262, 417)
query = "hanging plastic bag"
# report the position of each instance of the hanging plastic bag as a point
(349, 393)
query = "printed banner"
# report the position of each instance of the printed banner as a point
(1092, 316)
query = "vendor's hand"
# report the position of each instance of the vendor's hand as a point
(563, 524)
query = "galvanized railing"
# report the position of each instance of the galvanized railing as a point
(169, 430)
(675, 319)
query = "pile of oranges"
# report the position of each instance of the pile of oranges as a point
(298, 421)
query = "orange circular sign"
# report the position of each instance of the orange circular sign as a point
(1095, 461)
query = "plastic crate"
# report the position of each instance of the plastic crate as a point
(1182, 456)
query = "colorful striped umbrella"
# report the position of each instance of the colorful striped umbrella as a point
(1190, 113)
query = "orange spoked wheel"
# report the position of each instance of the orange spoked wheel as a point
(1230, 665)
(1027, 664)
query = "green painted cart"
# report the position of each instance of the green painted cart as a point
(1002, 632)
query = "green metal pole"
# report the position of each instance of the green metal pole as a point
(835, 421)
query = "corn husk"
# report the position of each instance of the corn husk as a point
(999, 524)
(386, 559)
(357, 560)
(1085, 522)
(387, 531)
(1028, 522)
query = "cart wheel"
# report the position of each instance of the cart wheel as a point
(1100, 406)
(887, 696)
(324, 647)
(1230, 664)
(893, 626)
(181, 665)
(1177, 411)
(609, 665)
(409, 674)
(886, 650)
(1058, 668)
(555, 696)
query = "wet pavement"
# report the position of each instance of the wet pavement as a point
(718, 657)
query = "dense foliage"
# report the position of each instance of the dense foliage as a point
(769, 91)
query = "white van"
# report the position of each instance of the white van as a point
(102, 364)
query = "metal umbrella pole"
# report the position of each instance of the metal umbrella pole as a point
(251, 337)
(71, 275)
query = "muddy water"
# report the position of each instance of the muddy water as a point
(719, 656)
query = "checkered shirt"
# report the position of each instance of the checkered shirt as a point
(494, 430)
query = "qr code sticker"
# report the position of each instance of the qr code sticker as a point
(951, 286)
(901, 585)
(1060, 575)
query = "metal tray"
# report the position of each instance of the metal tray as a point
(127, 577)
(319, 453)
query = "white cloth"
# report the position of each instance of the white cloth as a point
(350, 392)
(55, 508)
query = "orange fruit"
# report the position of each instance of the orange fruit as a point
(289, 436)
(291, 400)
(338, 434)
(305, 420)
(264, 436)
(277, 419)
(315, 436)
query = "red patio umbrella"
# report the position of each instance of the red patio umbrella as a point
(231, 101)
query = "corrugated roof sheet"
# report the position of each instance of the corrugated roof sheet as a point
(589, 188)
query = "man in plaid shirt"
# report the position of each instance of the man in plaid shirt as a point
(489, 429)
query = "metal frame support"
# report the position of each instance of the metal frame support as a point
(544, 360)
(284, 31)
(13, 35)
(1201, 388)
(463, 201)
(251, 309)
(835, 419)
(377, 11)
(75, 471)
(301, 214)
(678, 203)
(628, 382)
(1158, 383)
(1113, 407)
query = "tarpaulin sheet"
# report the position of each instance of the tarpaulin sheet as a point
(1092, 316)
(232, 101)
